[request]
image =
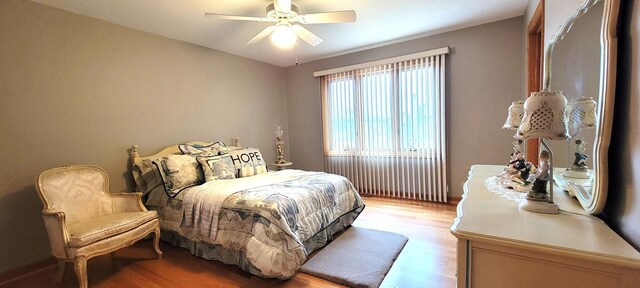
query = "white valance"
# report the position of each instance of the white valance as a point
(433, 52)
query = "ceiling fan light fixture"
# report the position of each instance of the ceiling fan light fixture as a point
(283, 36)
(288, 28)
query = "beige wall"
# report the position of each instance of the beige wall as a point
(482, 79)
(75, 90)
(623, 204)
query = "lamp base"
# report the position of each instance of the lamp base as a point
(539, 206)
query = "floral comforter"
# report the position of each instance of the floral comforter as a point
(268, 218)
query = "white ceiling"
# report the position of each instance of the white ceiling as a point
(379, 22)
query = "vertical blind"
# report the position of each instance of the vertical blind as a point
(384, 128)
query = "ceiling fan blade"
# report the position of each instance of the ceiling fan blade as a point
(327, 17)
(306, 35)
(235, 17)
(282, 5)
(262, 34)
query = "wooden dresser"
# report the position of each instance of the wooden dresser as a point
(500, 245)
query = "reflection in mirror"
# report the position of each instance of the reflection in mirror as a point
(581, 62)
(576, 71)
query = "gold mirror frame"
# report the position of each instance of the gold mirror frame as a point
(594, 202)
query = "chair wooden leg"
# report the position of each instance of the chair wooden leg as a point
(80, 265)
(61, 265)
(156, 242)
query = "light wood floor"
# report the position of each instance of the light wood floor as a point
(428, 259)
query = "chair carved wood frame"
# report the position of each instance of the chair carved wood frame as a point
(83, 219)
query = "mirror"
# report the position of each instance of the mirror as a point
(581, 62)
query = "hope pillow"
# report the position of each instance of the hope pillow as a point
(248, 158)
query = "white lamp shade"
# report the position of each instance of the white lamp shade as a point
(581, 113)
(283, 36)
(544, 116)
(516, 111)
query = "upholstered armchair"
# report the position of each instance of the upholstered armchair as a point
(83, 219)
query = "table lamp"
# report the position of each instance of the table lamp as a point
(514, 117)
(277, 130)
(518, 168)
(580, 114)
(544, 119)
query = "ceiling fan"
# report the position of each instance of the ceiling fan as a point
(286, 16)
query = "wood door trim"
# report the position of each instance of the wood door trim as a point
(535, 49)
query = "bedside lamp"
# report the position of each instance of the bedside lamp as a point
(544, 119)
(580, 114)
(279, 144)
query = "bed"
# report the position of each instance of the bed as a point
(265, 222)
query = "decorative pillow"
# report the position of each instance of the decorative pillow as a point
(250, 171)
(155, 196)
(247, 158)
(148, 176)
(227, 149)
(217, 167)
(141, 184)
(201, 150)
(179, 172)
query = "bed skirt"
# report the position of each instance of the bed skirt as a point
(238, 258)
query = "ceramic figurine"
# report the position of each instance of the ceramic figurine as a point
(539, 189)
(579, 162)
(510, 169)
(519, 168)
(512, 162)
(517, 145)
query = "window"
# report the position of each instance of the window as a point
(383, 125)
(384, 110)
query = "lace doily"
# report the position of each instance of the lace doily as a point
(498, 185)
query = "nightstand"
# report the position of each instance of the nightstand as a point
(282, 166)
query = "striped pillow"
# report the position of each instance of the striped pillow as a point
(250, 171)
